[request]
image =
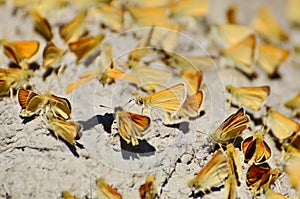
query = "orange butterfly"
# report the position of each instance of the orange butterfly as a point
(212, 175)
(131, 126)
(241, 55)
(256, 149)
(233, 126)
(20, 51)
(270, 57)
(67, 130)
(105, 191)
(281, 126)
(13, 79)
(148, 190)
(85, 45)
(260, 177)
(41, 25)
(268, 27)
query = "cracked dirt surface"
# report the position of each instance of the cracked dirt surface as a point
(34, 164)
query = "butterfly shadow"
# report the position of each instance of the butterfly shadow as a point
(71, 147)
(106, 120)
(201, 194)
(143, 149)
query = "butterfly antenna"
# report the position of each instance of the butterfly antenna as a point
(104, 106)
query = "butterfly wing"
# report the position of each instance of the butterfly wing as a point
(60, 107)
(105, 191)
(252, 97)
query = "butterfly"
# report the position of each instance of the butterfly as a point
(105, 72)
(270, 57)
(147, 77)
(20, 51)
(193, 79)
(73, 30)
(256, 149)
(291, 167)
(105, 191)
(212, 175)
(190, 107)
(41, 25)
(233, 126)
(267, 26)
(67, 195)
(85, 45)
(168, 100)
(110, 16)
(281, 126)
(131, 126)
(52, 55)
(294, 104)
(270, 194)
(251, 97)
(148, 190)
(13, 79)
(150, 16)
(234, 172)
(194, 8)
(141, 49)
(227, 35)
(67, 130)
(292, 9)
(260, 177)
(33, 104)
(241, 55)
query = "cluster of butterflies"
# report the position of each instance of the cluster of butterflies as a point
(147, 190)
(240, 46)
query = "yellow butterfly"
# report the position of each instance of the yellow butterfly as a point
(256, 149)
(251, 97)
(233, 173)
(131, 126)
(292, 11)
(20, 51)
(270, 194)
(260, 177)
(291, 167)
(52, 55)
(141, 50)
(67, 195)
(281, 126)
(105, 191)
(150, 16)
(270, 57)
(110, 16)
(85, 45)
(241, 55)
(168, 100)
(41, 25)
(74, 29)
(229, 34)
(67, 130)
(13, 79)
(190, 63)
(212, 175)
(268, 27)
(147, 78)
(194, 8)
(105, 72)
(193, 79)
(148, 190)
(294, 104)
(33, 104)
(190, 107)
(233, 126)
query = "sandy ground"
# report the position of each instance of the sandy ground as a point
(36, 165)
